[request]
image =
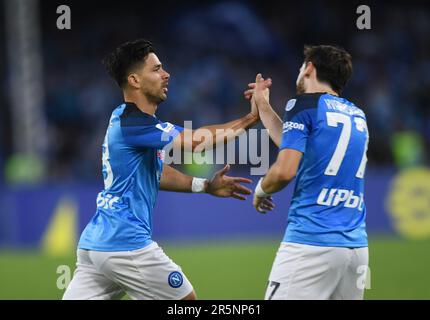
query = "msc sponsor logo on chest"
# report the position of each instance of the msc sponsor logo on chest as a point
(336, 197)
(289, 125)
(106, 201)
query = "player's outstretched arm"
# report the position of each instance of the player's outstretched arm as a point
(280, 174)
(174, 180)
(208, 137)
(258, 93)
(219, 186)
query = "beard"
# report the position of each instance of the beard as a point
(300, 88)
(156, 98)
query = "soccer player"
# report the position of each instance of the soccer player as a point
(322, 142)
(116, 254)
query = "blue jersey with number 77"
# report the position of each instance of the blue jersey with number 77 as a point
(132, 160)
(327, 208)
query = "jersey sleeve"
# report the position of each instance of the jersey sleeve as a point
(298, 122)
(147, 131)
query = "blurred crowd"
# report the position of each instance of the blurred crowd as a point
(212, 51)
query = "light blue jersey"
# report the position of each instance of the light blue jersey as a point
(327, 208)
(132, 166)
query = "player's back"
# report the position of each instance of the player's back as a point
(327, 208)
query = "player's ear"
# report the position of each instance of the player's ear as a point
(309, 69)
(133, 80)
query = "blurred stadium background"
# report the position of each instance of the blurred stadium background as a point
(56, 99)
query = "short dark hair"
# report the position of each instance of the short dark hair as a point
(333, 64)
(123, 59)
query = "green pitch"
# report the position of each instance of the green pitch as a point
(232, 270)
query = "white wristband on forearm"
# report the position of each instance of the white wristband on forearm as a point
(259, 192)
(198, 185)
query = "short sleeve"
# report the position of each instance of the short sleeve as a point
(144, 130)
(295, 133)
(298, 122)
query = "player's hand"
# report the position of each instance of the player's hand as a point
(224, 186)
(263, 204)
(258, 90)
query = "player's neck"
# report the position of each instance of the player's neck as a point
(142, 103)
(320, 87)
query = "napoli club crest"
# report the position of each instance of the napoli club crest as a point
(175, 279)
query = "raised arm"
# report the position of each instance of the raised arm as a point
(208, 137)
(259, 95)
